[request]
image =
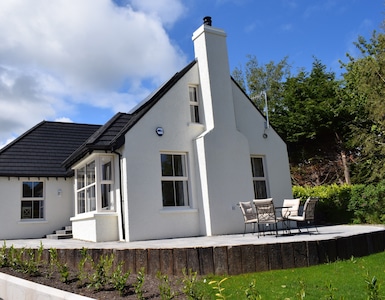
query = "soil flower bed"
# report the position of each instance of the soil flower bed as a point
(102, 279)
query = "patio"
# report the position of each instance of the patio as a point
(227, 254)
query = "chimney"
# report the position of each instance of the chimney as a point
(211, 53)
(207, 21)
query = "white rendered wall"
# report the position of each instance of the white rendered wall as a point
(58, 208)
(147, 219)
(96, 227)
(252, 124)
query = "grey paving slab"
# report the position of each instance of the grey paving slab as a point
(325, 233)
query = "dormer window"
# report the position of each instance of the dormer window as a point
(194, 104)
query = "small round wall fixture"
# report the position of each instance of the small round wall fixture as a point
(265, 135)
(159, 131)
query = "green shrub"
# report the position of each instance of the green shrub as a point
(368, 203)
(346, 203)
(333, 202)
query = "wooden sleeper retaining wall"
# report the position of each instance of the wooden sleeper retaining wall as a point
(233, 260)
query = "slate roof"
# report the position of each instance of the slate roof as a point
(40, 151)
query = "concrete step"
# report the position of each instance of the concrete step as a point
(59, 236)
(64, 233)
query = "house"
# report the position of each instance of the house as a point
(175, 166)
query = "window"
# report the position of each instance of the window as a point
(94, 185)
(174, 180)
(32, 203)
(259, 178)
(106, 183)
(194, 104)
(86, 185)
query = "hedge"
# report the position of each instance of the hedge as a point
(343, 204)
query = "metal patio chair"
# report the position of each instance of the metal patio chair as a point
(249, 215)
(266, 215)
(308, 214)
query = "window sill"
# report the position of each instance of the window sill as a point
(196, 124)
(32, 221)
(178, 210)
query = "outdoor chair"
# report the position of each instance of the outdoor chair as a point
(266, 215)
(290, 207)
(249, 215)
(307, 217)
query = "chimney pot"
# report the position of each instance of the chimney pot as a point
(207, 21)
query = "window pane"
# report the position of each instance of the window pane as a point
(26, 209)
(106, 196)
(81, 202)
(106, 171)
(41, 206)
(193, 94)
(90, 169)
(257, 167)
(178, 165)
(196, 110)
(91, 200)
(27, 189)
(194, 113)
(166, 160)
(80, 177)
(260, 191)
(181, 193)
(36, 209)
(38, 189)
(168, 193)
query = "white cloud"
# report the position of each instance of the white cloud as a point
(64, 120)
(57, 54)
(168, 11)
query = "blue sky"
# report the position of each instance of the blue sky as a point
(83, 61)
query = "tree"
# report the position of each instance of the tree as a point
(364, 87)
(311, 120)
(258, 78)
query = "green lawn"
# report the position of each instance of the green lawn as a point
(338, 280)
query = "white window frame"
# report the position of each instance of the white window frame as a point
(194, 104)
(107, 181)
(176, 180)
(35, 200)
(258, 179)
(89, 195)
(87, 189)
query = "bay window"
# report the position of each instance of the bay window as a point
(94, 181)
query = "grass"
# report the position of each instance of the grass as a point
(350, 279)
